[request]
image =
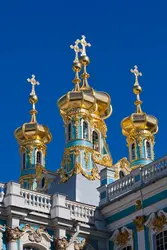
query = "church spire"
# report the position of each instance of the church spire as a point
(32, 138)
(137, 89)
(76, 65)
(139, 128)
(84, 59)
(33, 98)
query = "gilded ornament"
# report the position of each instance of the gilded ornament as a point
(86, 157)
(159, 223)
(61, 244)
(139, 222)
(122, 238)
(138, 204)
(79, 245)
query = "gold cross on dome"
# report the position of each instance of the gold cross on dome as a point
(136, 73)
(33, 82)
(84, 44)
(76, 48)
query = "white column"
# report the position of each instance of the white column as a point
(141, 240)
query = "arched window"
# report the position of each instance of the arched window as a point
(121, 174)
(95, 140)
(127, 248)
(148, 149)
(39, 157)
(43, 182)
(85, 130)
(161, 241)
(69, 131)
(24, 160)
(133, 151)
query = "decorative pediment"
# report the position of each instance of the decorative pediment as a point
(35, 235)
(157, 221)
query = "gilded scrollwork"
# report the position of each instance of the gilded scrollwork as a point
(122, 238)
(159, 222)
(61, 244)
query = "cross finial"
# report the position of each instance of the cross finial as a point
(76, 48)
(33, 82)
(84, 45)
(136, 73)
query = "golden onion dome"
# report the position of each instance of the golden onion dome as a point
(138, 121)
(32, 130)
(84, 97)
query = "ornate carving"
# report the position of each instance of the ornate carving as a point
(13, 234)
(61, 244)
(105, 160)
(159, 222)
(139, 222)
(79, 245)
(138, 204)
(122, 238)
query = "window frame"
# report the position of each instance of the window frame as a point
(98, 139)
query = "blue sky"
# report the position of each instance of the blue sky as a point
(35, 38)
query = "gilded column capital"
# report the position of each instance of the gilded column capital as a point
(139, 222)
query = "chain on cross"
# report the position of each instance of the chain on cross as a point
(33, 82)
(136, 73)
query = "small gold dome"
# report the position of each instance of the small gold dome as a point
(93, 101)
(137, 122)
(33, 131)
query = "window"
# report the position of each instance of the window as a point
(24, 160)
(95, 141)
(39, 157)
(69, 131)
(43, 182)
(133, 151)
(121, 174)
(148, 149)
(127, 248)
(161, 241)
(85, 130)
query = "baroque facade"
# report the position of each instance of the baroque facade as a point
(89, 202)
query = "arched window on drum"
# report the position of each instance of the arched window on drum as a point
(121, 174)
(148, 149)
(95, 140)
(85, 130)
(24, 160)
(69, 132)
(39, 157)
(133, 151)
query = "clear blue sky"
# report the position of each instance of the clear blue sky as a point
(35, 37)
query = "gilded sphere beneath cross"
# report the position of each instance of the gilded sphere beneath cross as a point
(84, 60)
(33, 99)
(76, 66)
(137, 89)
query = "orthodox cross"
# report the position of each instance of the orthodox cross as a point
(77, 50)
(136, 73)
(33, 82)
(84, 45)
